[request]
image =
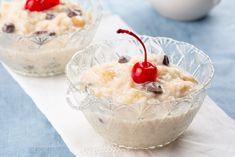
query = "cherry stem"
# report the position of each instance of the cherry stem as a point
(136, 37)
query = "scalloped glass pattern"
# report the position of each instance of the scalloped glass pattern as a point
(45, 55)
(134, 126)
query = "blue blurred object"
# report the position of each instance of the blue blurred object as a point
(24, 130)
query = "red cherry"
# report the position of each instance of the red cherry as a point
(50, 3)
(40, 5)
(33, 5)
(142, 71)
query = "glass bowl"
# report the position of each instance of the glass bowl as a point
(45, 55)
(130, 125)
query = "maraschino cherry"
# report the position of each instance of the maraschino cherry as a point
(142, 71)
(40, 5)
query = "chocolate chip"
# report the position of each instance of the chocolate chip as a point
(101, 120)
(40, 32)
(166, 60)
(123, 59)
(44, 33)
(8, 28)
(49, 16)
(52, 34)
(78, 11)
(87, 87)
(153, 87)
(71, 13)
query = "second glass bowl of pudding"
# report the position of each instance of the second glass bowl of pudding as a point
(138, 125)
(43, 45)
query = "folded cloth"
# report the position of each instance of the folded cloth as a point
(211, 134)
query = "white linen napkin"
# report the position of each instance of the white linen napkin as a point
(212, 133)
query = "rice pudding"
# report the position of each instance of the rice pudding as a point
(152, 121)
(139, 103)
(40, 41)
(135, 103)
(113, 81)
(62, 18)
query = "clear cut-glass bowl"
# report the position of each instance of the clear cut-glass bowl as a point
(46, 55)
(131, 125)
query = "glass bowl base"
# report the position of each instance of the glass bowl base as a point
(34, 74)
(146, 148)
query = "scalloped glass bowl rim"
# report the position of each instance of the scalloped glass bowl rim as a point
(176, 100)
(88, 27)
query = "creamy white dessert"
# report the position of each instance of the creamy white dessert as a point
(40, 43)
(113, 81)
(65, 17)
(143, 115)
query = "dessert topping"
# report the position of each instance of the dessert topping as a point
(142, 71)
(166, 60)
(38, 33)
(123, 59)
(8, 28)
(153, 87)
(52, 34)
(78, 11)
(49, 16)
(101, 120)
(40, 5)
(73, 12)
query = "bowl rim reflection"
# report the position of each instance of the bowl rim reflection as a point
(80, 31)
(187, 97)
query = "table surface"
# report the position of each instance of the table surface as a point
(26, 132)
